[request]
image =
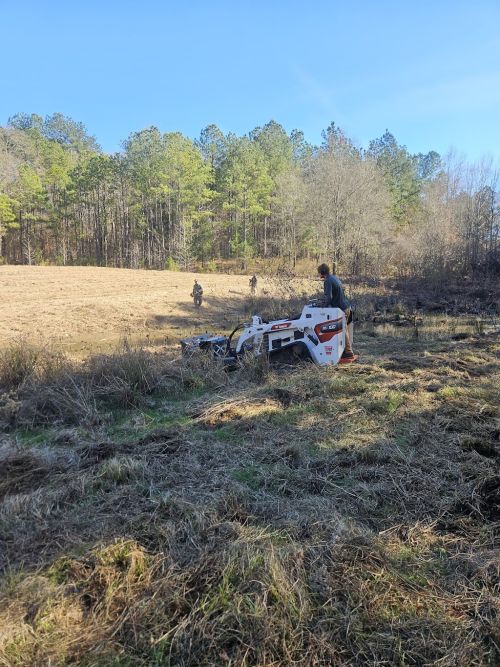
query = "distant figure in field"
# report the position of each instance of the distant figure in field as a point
(197, 293)
(253, 284)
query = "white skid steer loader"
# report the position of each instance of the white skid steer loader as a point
(318, 334)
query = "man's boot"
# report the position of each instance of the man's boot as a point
(348, 355)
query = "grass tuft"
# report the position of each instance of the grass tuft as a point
(121, 469)
(23, 363)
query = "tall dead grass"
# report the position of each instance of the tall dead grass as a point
(23, 363)
(39, 386)
(252, 597)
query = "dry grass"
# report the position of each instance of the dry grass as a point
(40, 387)
(22, 363)
(266, 517)
(88, 310)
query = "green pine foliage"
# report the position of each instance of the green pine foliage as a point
(166, 200)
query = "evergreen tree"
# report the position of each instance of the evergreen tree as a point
(401, 174)
(211, 145)
(276, 147)
(246, 189)
(7, 217)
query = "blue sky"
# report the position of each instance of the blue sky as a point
(427, 71)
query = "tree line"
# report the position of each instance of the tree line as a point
(166, 201)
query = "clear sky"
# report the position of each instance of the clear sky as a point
(427, 71)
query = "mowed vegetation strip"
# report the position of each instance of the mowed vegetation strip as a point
(157, 511)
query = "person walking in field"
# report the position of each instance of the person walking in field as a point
(253, 284)
(197, 293)
(335, 297)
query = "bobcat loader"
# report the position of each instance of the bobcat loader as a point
(318, 334)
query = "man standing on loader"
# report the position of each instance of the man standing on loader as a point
(335, 297)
